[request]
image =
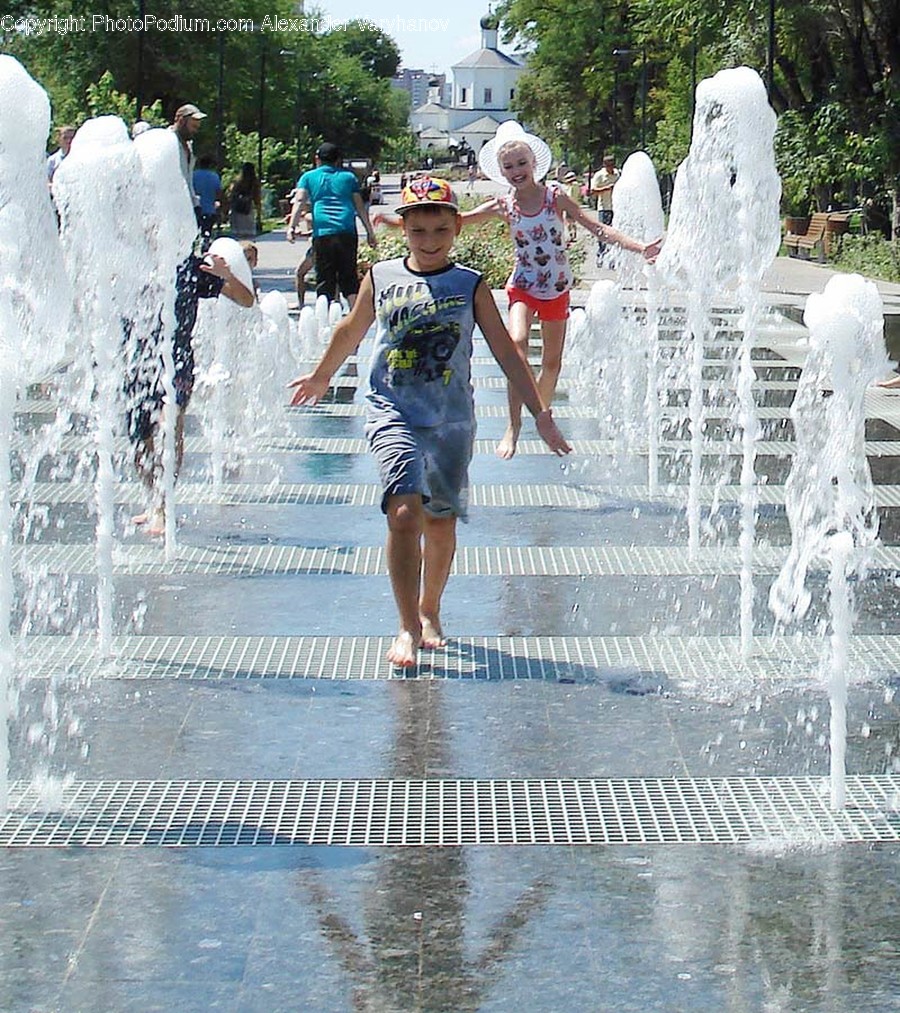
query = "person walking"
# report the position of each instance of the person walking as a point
(208, 187)
(602, 183)
(66, 135)
(333, 196)
(185, 125)
(245, 202)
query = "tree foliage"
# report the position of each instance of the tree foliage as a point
(836, 85)
(267, 68)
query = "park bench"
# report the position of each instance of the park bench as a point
(815, 234)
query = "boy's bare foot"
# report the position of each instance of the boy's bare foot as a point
(506, 448)
(432, 634)
(402, 652)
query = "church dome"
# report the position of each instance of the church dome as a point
(490, 22)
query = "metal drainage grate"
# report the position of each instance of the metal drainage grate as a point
(631, 665)
(470, 561)
(452, 813)
(575, 497)
(349, 445)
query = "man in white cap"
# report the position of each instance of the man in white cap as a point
(186, 124)
(66, 135)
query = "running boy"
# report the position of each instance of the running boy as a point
(420, 412)
(541, 278)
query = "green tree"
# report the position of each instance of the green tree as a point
(835, 83)
(103, 100)
(376, 52)
(293, 86)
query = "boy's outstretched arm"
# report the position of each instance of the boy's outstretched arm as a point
(348, 334)
(516, 369)
(607, 233)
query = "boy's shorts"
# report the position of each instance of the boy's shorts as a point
(432, 462)
(546, 309)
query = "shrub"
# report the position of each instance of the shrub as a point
(485, 247)
(869, 255)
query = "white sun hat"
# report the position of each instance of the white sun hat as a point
(511, 130)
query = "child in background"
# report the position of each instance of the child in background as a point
(420, 408)
(542, 278)
(197, 278)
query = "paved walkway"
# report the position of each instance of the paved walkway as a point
(788, 282)
(586, 802)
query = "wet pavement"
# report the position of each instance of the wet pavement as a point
(790, 924)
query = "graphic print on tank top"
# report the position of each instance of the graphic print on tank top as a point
(425, 337)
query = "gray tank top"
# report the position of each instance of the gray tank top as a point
(421, 362)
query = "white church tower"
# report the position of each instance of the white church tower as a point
(483, 89)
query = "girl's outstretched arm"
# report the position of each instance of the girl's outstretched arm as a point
(348, 334)
(606, 233)
(389, 218)
(493, 208)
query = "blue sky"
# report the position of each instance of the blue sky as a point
(453, 28)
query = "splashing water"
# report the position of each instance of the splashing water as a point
(724, 231)
(638, 212)
(171, 230)
(99, 194)
(829, 496)
(34, 312)
(242, 358)
(596, 352)
(613, 344)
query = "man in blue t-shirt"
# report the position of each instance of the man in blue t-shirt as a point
(208, 187)
(333, 195)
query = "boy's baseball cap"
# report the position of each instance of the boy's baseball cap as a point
(189, 110)
(427, 191)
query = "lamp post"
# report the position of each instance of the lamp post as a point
(220, 106)
(262, 107)
(297, 101)
(643, 52)
(562, 127)
(770, 58)
(139, 96)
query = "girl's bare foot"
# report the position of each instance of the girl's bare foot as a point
(402, 652)
(432, 634)
(156, 523)
(140, 519)
(891, 384)
(506, 448)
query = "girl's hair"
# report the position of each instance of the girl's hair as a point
(515, 143)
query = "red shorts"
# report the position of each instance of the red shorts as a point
(546, 309)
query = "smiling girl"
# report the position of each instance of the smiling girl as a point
(542, 278)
